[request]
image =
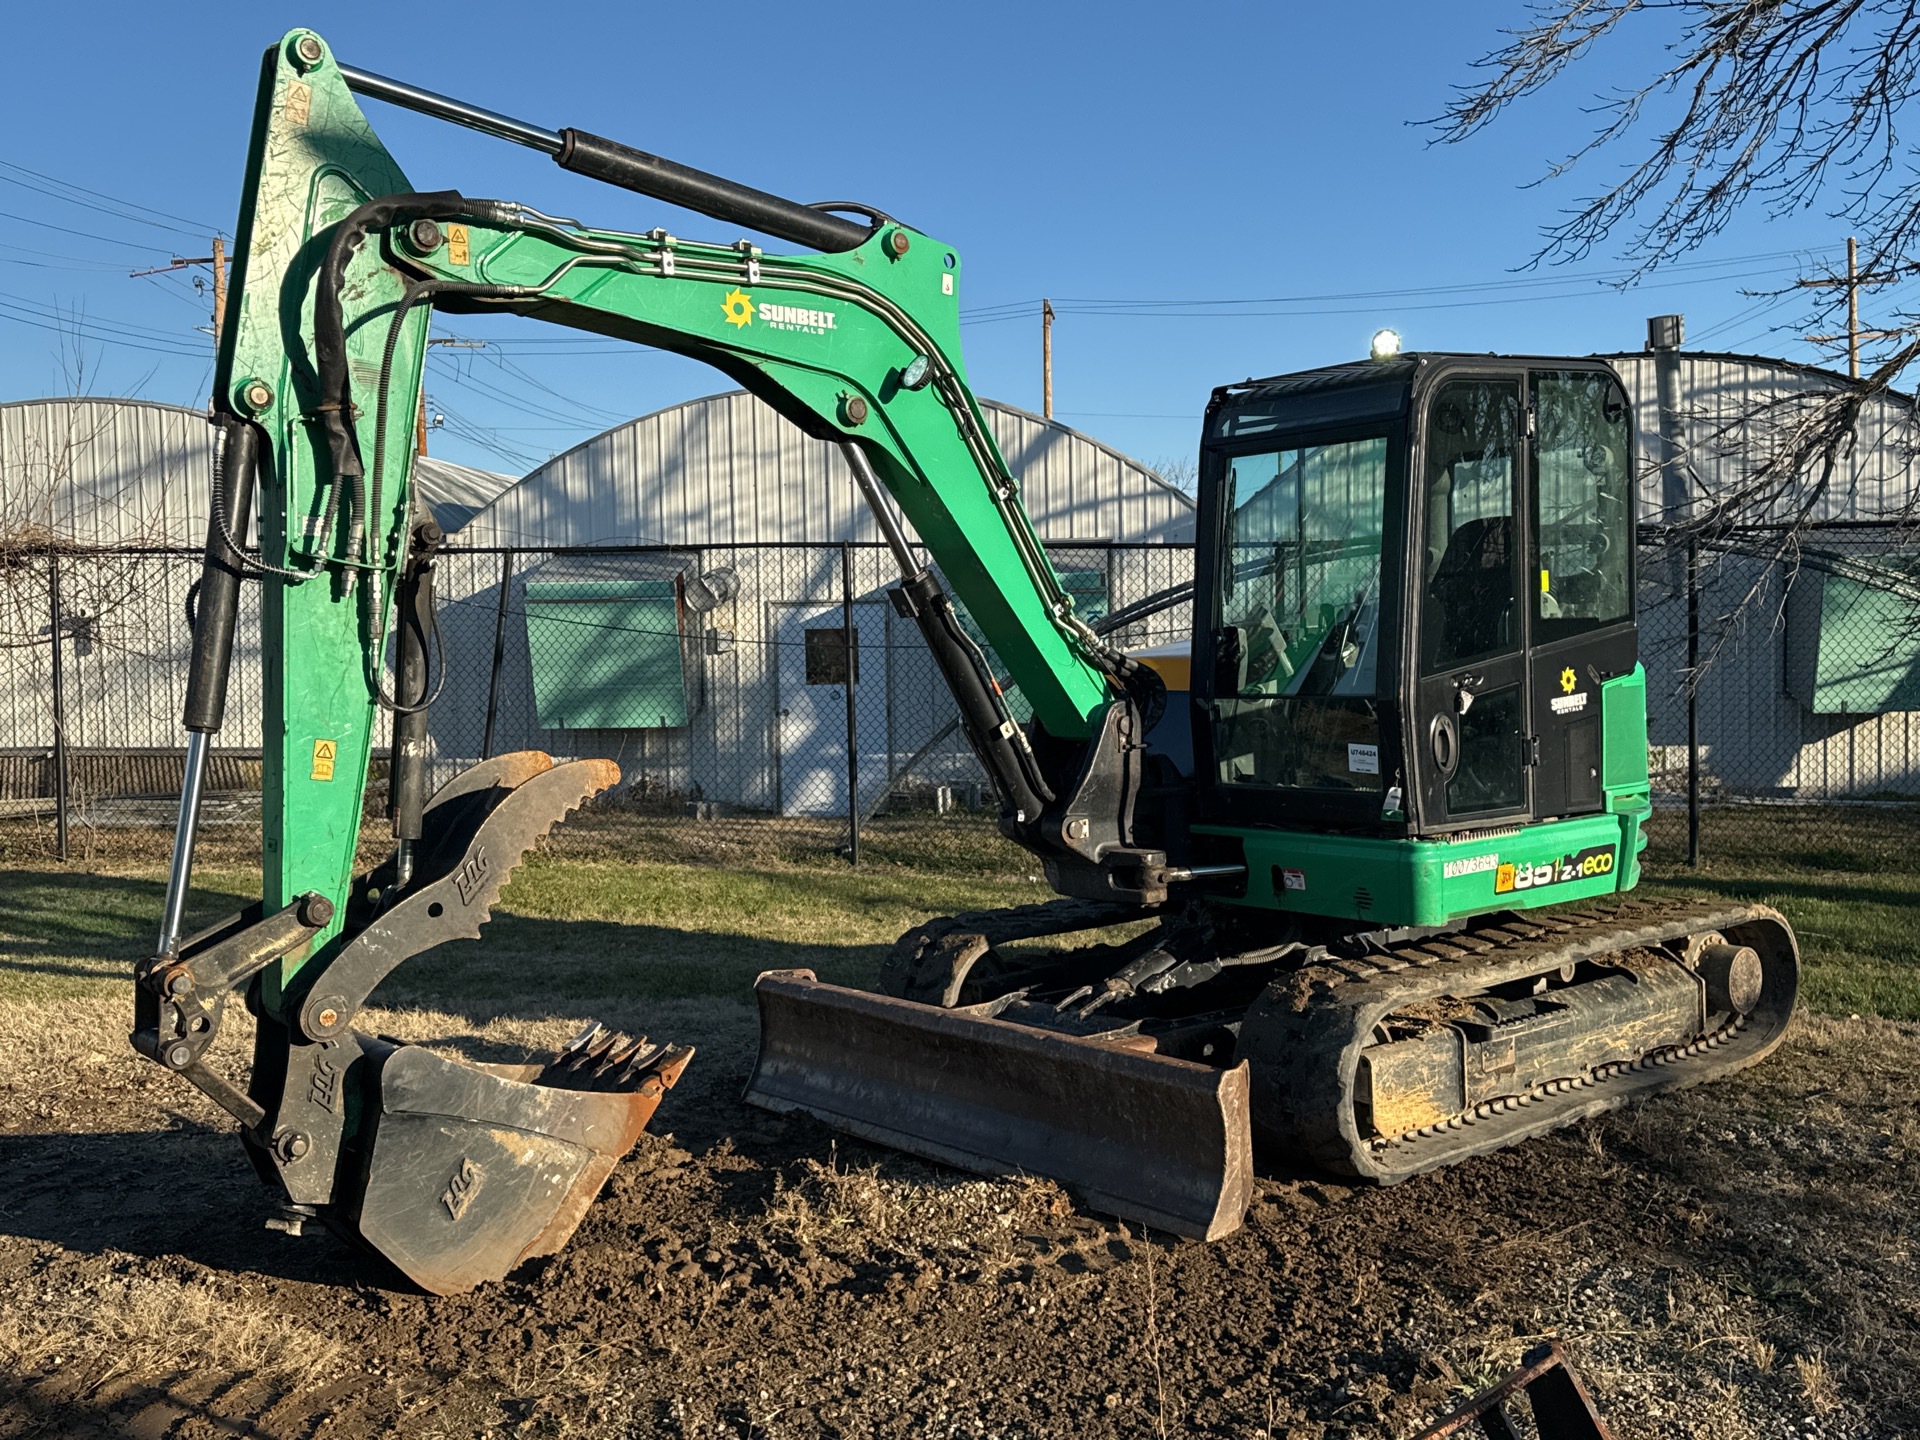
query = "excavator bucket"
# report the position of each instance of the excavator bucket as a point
(473, 1169)
(1162, 1141)
(455, 1172)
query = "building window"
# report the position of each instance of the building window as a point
(606, 654)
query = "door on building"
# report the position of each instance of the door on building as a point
(810, 703)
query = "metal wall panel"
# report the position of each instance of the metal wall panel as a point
(1877, 476)
(728, 470)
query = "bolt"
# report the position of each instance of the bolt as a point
(328, 1018)
(254, 395)
(315, 910)
(179, 983)
(424, 236)
(308, 51)
(1077, 829)
(291, 1145)
(898, 243)
(180, 1056)
(853, 410)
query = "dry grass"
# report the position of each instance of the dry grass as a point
(150, 1328)
(1816, 1382)
(899, 1208)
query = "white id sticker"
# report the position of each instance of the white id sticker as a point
(1363, 759)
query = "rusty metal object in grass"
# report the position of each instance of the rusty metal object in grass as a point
(1562, 1408)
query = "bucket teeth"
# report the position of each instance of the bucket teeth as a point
(611, 1062)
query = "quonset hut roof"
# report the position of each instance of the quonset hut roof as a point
(108, 473)
(729, 470)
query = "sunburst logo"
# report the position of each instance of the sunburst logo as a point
(1568, 680)
(738, 307)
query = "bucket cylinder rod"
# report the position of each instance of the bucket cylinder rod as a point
(214, 620)
(631, 169)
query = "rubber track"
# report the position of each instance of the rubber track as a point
(1304, 1036)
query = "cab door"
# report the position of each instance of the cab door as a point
(1472, 718)
(1580, 575)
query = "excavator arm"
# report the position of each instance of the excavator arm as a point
(457, 1172)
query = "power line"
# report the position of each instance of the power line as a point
(197, 228)
(84, 234)
(1506, 286)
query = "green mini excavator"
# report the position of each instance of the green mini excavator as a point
(1337, 879)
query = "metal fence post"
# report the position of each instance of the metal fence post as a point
(853, 728)
(1693, 701)
(499, 653)
(56, 629)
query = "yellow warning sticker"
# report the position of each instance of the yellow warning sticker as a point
(324, 752)
(299, 103)
(457, 250)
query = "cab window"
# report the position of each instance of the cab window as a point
(1472, 561)
(1300, 607)
(1583, 537)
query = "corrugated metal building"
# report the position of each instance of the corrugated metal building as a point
(723, 705)
(1766, 728)
(728, 470)
(723, 483)
(118, 490)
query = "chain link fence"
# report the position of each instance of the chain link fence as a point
(768, 698)
(1783, 687)
(756, 698)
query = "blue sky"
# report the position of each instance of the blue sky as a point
(1115, 157)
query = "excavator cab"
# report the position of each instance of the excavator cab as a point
(1417, 580)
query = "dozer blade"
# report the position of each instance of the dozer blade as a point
(472, 1170)
(1162, 1141)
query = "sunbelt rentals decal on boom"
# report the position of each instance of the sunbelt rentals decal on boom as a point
(741, 310)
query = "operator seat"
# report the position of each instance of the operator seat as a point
(1470, 595)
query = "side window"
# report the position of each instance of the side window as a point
(1470, 600)
(1582, 517)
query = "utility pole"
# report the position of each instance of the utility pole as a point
(1046, 358)
(1854, 334)
(219, 263)
(218, 260)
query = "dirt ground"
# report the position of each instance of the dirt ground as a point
(1736, 1261)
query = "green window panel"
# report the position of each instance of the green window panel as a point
(606, 654)
(1852, 645)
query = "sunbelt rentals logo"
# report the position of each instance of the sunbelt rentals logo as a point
(741, 309)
